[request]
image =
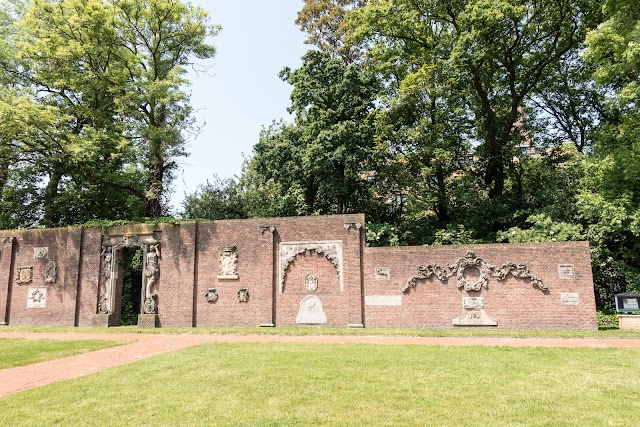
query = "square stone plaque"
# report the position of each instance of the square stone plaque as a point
(37, 297)
(383, 273)
(565, 271)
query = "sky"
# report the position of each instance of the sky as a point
(241, 92)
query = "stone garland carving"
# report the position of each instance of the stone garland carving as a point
(467, 263)
(289, 251)
(24, 274)
(51, 272)
(228, 263)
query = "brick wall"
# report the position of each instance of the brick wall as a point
(190, 265)
(514, 303)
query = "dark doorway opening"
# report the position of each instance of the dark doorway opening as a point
(131, 286)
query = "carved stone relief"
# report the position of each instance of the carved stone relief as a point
(311, 282)
(475, 314)
(24, 274)
(383, 273)
(243, 295)
(311, 311)
(565, 271)
(352, 226)
(211, 295)
(40, 253)
(51, 272)
(228, 263)
(37, 297)
(472, 273)
(331, 250)
(264, 228)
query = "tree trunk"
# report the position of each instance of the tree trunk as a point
(51, 216)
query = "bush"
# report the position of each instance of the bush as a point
(607, 321)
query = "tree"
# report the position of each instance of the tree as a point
(217, 199)
(498, 51)
(326, 152)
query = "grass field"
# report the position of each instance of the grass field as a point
(20, 352)
(346, 385)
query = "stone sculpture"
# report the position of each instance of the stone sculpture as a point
(51, 272)
(243, 295)
(211, 295)
(151, 272)
(475, 314)
(311, 311)
(228, 263)
(40, 253)
(311, 282)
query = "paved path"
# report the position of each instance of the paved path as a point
(140, 346)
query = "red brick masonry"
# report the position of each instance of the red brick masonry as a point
(356, 286)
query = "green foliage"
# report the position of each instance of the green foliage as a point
(131, 287)
(454, 234)
(219, 199)
(607, 321)
(543, 229)
(382, 235)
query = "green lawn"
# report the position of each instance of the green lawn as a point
(346, 385)
(20, 352)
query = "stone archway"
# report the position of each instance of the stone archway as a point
(112, 250)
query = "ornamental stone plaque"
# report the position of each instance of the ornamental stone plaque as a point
(394, 300)
(228, 263)
(569, 298)
(474, 315)
(243, 295)
(40, 253)
(383, 273)
(24, 274)
(37, 297)
(311, 282)
(565, 271)
(211, 295)
(311, 311)
(51, 272)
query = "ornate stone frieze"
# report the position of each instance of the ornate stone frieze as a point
(331, 250)
(51, 272)
(472, 273)
(211, 295)
(37, 297)
(311, 282)
(228, 263)
(243, 295)
(24, 274)
(40, 253)
(311, 311)
(129, 241)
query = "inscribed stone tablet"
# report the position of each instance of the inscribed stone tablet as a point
(565, 271)
(570, 298)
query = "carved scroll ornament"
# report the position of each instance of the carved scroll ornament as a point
(468, 264)
(331, 250)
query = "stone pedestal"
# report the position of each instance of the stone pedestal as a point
(148, 321)
(100, 321)
(629, 321)
(474, 314)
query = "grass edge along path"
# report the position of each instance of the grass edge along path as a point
(276, 384)
(16, 352)
(310, 330)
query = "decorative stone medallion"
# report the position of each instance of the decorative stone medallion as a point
(311, 282)
(24, 274)
(211, 295)
(311, 311)
(37, 297)
(40, 253)
(51, 272)
(331, 250)
(474, 315)
(228, 263)
(383, 273)
(243, 295)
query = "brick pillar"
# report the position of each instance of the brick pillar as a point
(6, 259)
